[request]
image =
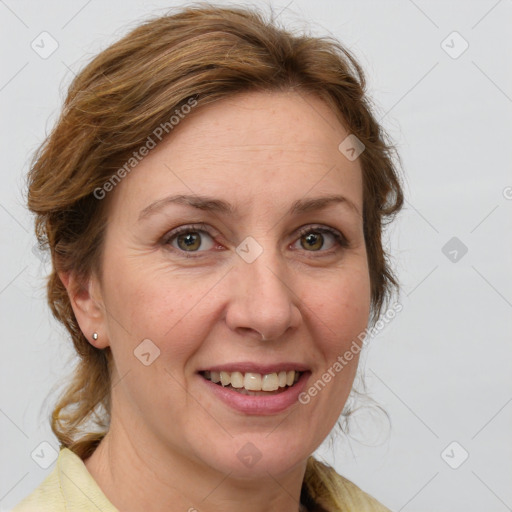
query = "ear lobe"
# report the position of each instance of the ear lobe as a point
(87, 305)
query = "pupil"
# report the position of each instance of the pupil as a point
(314, 241)
(190, 240)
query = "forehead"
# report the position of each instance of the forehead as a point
(259, 145)
(261, 122)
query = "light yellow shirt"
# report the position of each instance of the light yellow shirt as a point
(71, 488)
(68, 488)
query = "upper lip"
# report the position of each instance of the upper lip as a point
(264, 369)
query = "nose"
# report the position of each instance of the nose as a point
(263, 301)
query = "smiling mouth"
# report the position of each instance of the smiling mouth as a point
(254, 384)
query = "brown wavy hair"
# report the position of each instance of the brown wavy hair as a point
(206, 53)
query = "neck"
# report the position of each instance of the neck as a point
(145, 476)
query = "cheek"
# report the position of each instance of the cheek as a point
(164, 307)
(338, 314)
(168, 310)
(342, 309)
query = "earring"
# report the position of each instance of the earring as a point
(95, 336)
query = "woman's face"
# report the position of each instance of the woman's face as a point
(265, 276)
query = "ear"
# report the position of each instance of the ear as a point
(87, 303)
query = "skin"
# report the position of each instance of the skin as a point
(172, 445)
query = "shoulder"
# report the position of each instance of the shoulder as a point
(332, 492)
(356, 499)
(45, 498)
(68, 487)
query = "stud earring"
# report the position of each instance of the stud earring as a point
(95, 336)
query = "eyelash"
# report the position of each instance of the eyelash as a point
(203, 228)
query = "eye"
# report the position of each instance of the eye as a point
(190, 239)
(314, 239)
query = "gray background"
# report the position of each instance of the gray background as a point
(441, 368)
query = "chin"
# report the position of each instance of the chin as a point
(249, 457)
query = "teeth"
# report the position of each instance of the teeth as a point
(270, 382)
(225, 378)
(237, 380)
(254, 381)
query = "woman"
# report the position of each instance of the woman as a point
(213, 197)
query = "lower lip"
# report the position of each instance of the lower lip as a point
(259, 405)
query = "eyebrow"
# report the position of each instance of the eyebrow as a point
(212, 204)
